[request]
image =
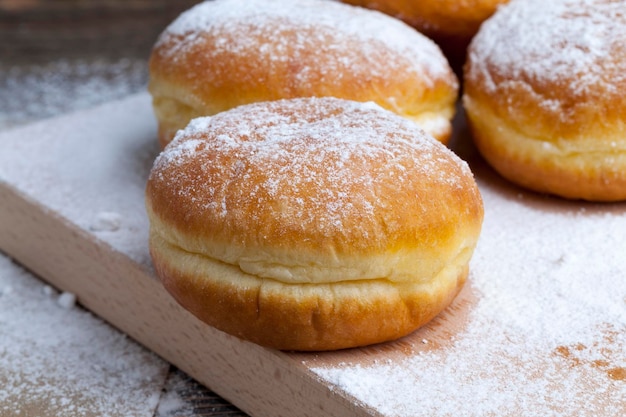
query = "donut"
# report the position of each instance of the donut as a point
(450, 23)
(311, 224)
(224, 53)
(545, 96)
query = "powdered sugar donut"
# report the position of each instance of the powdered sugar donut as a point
(225, 53)
(545, 95)
(311, 223)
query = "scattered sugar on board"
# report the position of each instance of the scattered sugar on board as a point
(546, 335)
(38, 92)
(68, 188)
(109, 221)
(66, 300)
(57, 359)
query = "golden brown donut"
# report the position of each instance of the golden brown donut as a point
(311, 223)
(224, 53)
(451, 23)
(545, 96)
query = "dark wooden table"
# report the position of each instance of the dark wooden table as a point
(62, 55)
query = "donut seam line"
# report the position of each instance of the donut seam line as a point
(384, 280)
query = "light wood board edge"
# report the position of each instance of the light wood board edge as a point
(259, 381)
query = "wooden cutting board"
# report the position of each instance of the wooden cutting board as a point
(540, 328)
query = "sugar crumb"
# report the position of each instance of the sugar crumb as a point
(66, 300)
(106, 221)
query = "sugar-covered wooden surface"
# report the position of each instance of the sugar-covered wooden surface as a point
(62, 238)
(58, 57)
(540, 329)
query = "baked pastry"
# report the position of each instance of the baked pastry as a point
(225, 53)
(545, 96)
(451, 23)
(311, 223)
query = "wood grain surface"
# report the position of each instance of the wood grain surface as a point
(41, 30)
(58, 47)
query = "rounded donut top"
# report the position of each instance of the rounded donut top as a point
(317, 181)
(311, 27)
(224, 53)
(558, 65)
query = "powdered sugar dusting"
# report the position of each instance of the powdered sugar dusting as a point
(545, 336)
(571, 44)
(48, 362)
(41, 91)
(324, 27)
(329, 157)
(59, 178)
